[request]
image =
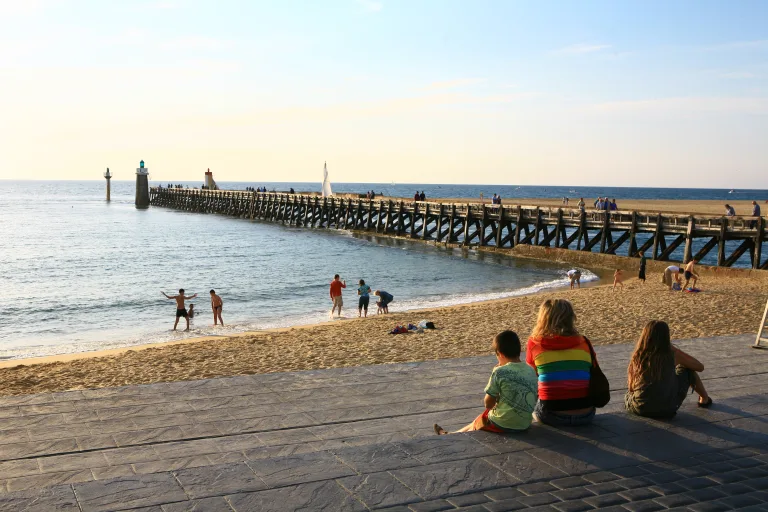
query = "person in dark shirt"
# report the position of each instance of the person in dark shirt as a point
(422, 196)
(755, 213)
(384, 300)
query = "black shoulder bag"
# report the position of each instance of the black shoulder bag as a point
(599, 388)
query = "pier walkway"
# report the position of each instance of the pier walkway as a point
(724, 241)
(355, 439)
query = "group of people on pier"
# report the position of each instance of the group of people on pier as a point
(560, 383)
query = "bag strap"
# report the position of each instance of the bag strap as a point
(592, 353)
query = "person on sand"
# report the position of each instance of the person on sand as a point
(181, 311)
(363, 291)
(575, 276)
(671, 274)
(511, 393)
(618, 279)
(689, 274)
(563, 361)
(641, 272)
(216, 306)
(659, 375)
(384, 300)
(336, 286)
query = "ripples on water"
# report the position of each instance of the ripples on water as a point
(80, 274)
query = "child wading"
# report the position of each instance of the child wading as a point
(511, 393)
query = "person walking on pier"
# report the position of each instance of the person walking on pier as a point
(216, 305)
(181, 311)
(729, 211)
(581, 204)
(336, 285)
(363, 291)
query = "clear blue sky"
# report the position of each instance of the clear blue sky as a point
(577, 93)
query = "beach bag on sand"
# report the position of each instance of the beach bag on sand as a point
(425, 324)
(599, 388)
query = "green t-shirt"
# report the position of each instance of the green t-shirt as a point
(515, 388)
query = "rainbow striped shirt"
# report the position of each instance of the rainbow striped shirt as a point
(563, 364)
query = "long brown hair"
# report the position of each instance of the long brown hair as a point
(556, 318)
(648, 359)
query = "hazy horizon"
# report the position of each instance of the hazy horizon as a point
(595, 93)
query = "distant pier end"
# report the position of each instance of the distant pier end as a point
(108, 177)
(142, 186)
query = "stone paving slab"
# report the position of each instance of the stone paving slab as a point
(361, 439)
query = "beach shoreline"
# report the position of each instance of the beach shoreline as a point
(603, 279)
(730, 303)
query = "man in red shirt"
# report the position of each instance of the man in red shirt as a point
(336, 286)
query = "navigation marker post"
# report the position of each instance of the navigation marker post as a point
(108, 177)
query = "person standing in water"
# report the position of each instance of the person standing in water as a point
(181, 311)
(362, 304)
(575, 276)
(336, 286)
(216, 305)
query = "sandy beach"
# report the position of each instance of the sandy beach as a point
(731, 303)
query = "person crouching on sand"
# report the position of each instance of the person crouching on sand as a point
(671, 273)
(575, 276)
(216, 305)
(618, 279)
(511, 393)
(181, 311)
(384, 300)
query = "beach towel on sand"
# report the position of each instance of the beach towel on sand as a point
(692, 290)
(425, 324)
(399, 330)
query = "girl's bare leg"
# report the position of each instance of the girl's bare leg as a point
(698, 387)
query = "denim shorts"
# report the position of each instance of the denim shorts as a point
(557, 419)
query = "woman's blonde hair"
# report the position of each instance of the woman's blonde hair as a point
(556, 318)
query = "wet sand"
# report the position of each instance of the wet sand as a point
(731, 303)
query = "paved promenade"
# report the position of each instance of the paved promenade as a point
(361, 438)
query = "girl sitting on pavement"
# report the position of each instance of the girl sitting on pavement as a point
(563, 361)
(659, 375)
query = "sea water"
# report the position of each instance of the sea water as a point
(78, 273)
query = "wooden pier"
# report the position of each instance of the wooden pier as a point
(661, 236)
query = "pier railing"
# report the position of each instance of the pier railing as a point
(661, 236)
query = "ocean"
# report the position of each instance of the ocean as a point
(81, 274)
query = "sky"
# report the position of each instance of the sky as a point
(612, 93)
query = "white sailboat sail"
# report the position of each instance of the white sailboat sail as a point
(327, 192)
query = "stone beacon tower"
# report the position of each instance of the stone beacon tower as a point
(142, 186)
(108, 176)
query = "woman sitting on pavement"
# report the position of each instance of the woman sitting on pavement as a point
(562, 360)
(660, 374)
(510, 395)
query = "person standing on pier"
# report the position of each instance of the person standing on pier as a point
(755, 213)
(181, 311)
(216, 305)
(336, 285)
